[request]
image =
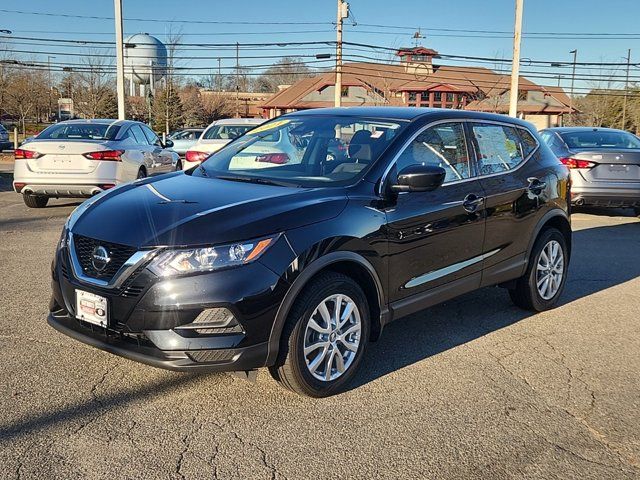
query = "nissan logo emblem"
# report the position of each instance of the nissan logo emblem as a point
(100, 258)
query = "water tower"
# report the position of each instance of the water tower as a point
(145, 62)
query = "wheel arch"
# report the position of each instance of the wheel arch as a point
(556, 219)
(348, 263)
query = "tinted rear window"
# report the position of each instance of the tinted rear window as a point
(600, 139)
(80, 131)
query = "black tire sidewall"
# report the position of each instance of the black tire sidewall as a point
(309, 383)
(538, 302)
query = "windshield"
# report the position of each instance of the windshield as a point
(226, 132)
(307, 151)
(80, 131)
(600, 139)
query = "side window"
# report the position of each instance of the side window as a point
(137, 134)
(529, 143)
(442, 145)
(151, 137)
(499, 148)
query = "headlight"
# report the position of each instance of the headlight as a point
(206, 259)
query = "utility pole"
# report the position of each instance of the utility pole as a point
(343, 12)
(219, 79)
(515, 62)
(626, 90)
(573, 79)
(119, 59)
(49, 57)
(237, 80)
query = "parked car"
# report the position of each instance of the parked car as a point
(216, 136)
(604, 164)
(5, 141)
(183, 140)
(81, 158)
(297, 266)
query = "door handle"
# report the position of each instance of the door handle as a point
(471, 202)
(535, 185)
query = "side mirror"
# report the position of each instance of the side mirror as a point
(419, 178)
(168, 143)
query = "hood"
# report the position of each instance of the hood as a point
(184, 210)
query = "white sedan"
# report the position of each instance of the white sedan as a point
(216, 136)
(81, 158)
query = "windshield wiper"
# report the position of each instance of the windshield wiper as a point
(258, 180)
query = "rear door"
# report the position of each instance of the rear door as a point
(142, 145)
(162, 158)
(514, 192)
(436, 237)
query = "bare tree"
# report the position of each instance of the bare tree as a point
(25, 94)
(94, 86)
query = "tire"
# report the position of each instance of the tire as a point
(142, 173)
(35, 201)
(293, 369)
(526, 293)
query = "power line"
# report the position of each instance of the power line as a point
(154, 20)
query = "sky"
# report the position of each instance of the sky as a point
(567, 18)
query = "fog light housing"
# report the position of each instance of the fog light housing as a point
(213, 321)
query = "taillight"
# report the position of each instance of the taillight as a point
(107, 186)
(108, 155)
(277, 158)
(575, 163)
(18, 186)
(26, 154)
(195, 156)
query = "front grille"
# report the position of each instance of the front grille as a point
(84, 247)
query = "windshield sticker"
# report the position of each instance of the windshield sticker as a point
(270, 126)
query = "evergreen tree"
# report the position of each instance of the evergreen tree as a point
(167, 109)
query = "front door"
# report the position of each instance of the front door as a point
(436, 237)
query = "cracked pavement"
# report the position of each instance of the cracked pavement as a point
(472, 389)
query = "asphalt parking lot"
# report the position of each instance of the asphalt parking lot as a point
(475, 388)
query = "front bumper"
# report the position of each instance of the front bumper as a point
(151, 320)
(214, 359)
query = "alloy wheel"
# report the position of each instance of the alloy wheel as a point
(550, 270)
(332, 337)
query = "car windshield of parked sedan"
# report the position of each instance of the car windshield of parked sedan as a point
(80, 131)
(600, 139)
(305, 151)
(226, 132)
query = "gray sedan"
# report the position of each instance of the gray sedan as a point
(604, 164)
(183, 140)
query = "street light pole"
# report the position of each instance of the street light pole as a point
(237, 80)
(119, 59)
(626, 90)
(515, 62)
(573, 79)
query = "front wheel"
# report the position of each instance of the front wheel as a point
(324, 338)
(35, 201)
(542, 284)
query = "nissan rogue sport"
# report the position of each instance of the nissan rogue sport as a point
(295, 262)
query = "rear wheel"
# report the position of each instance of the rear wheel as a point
(542, 284)
(142, 173)
(35, 201)
(324, 338)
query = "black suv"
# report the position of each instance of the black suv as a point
(280, 255)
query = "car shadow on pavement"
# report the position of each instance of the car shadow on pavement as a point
(602, 257)
(84, 412)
